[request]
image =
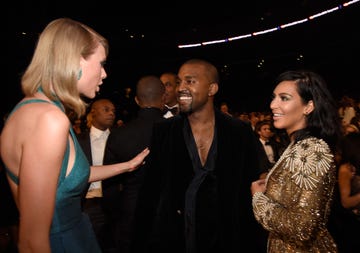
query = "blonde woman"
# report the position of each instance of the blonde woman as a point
(46, 168)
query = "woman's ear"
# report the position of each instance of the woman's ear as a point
(309, 107)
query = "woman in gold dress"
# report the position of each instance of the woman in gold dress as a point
(293, 202)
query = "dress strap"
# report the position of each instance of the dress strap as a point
(12, 176)
(30, 101)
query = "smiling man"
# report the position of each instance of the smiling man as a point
(200, 168)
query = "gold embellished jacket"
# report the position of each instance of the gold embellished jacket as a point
(296, 204)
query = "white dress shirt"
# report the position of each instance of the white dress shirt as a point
(169, 114)
(98, 141)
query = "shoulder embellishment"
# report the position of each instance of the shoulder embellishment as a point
(307, 160)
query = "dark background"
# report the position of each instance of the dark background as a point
(144, 37)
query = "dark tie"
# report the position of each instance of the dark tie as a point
(267, 143)
(173, 110)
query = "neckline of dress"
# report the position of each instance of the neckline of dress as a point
(57, 102)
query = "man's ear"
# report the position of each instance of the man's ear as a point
(137, 101)
(213, 89)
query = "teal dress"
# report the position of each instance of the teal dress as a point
(71, 229)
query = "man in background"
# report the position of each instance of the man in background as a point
(100, 120)
(169, 80)
(122, 144)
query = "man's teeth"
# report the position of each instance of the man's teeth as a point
(184, 98)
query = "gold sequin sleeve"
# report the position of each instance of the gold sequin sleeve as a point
(299, 189)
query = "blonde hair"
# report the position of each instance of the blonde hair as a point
(55, 65)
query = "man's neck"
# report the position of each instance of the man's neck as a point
(264, 139)
(202, 119)
(100, 128)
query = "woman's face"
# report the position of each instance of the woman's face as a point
(93, 73)
(289, 111)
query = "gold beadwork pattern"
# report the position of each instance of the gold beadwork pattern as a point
(297, 201)
(307, 163)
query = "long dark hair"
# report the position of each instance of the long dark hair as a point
(324, 121)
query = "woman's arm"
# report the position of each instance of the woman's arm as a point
(102, 172)
(345, 176)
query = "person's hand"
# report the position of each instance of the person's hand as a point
(258, 186)
(138, 160)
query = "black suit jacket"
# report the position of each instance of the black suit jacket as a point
(238, 161)
(85, 143)
(123, 144)
(126, 141)
(276, 151)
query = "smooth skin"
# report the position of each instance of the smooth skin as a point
(345, 176)
(33, 145)
(169, 80)
(289, 113)
(196, 92)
